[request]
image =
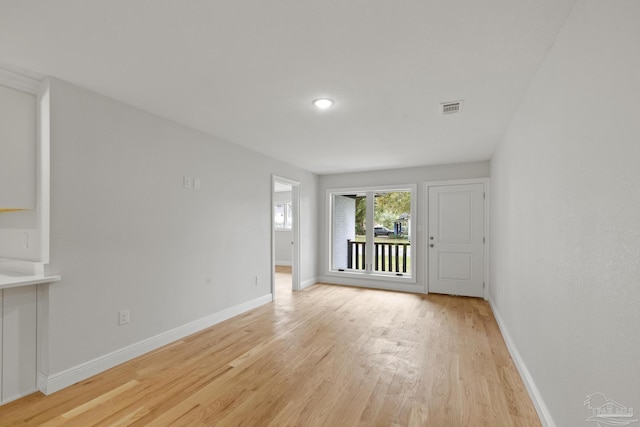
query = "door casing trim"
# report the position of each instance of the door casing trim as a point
(425, 220)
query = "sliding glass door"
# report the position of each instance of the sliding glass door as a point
(371, 231)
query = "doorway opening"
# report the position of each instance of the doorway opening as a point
(283, 282)
(285, 236)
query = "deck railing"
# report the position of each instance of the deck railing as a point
(389, 256)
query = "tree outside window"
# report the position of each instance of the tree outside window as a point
(371, 231)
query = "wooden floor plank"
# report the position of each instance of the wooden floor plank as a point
(328, 355)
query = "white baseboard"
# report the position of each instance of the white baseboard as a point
(534, 393)
(285, 263)
(17, 396)
(58, 381)
(41, 382)
(309, 282)
(374, 284)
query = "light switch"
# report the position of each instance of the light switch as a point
(196, 183)
(187, 182)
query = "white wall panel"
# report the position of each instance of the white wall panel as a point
(126, 234)
(566, 216)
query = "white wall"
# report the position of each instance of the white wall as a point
(283, 238)
(344, 229)
(125, 234)
(283, 247)
(417, 176)
(565, 264)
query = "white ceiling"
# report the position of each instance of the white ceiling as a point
(247, 71)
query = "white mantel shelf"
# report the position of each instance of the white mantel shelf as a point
(10, 279)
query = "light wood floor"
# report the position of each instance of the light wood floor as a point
(325, 356)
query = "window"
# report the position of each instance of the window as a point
(371, 231)
(283, 216)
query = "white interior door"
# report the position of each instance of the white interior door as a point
(456, 239)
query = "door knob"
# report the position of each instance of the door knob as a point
(431, 238)
(431, 245)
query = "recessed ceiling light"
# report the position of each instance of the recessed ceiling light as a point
(323, 103)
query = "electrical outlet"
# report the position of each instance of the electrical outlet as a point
(258, 280)
(124, 317)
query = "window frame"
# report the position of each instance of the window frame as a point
(287, 216)
(369, 273)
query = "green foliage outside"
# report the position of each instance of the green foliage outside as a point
(361, 215)
(388, 208)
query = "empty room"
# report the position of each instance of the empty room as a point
(329, 213)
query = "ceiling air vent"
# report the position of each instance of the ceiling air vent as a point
(453, 107)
